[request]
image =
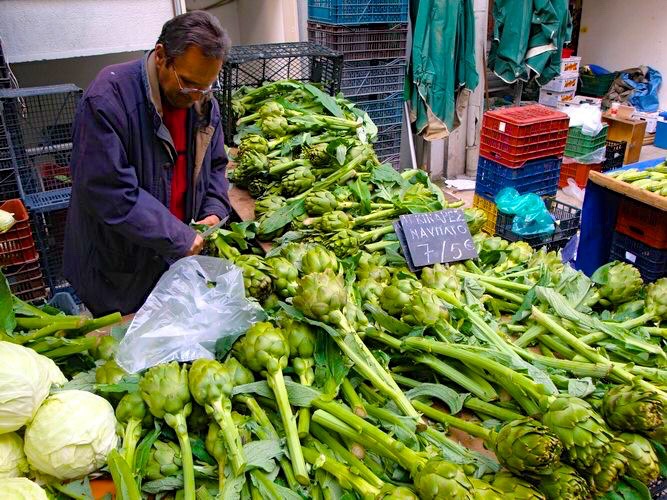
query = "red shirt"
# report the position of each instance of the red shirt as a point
(175, 121)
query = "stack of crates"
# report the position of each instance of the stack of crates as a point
(372, 36)
(521, 148)
(561, 90)
(579, 146)
(18, 256)
(5, 79)
(38, 124)
(640, 238)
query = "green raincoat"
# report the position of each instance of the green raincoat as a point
(529, 35)
(442, 67)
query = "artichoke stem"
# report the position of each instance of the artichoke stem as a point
(303, 426)
(97, 323)
(578, 368)
(131, 437)
(444, 418)
(380, 214)
(180, 427)
(530, 335)
(356, 463)
(498, 282)
(230, 436)
(341, 472)
(635, 322)
(353, 398)
(277, 383)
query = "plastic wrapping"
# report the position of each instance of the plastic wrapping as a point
(574, 191)
(196, 302)
(597, 156)
(588, 117)
(531, 216)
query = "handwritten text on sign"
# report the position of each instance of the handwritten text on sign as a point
(438, 237)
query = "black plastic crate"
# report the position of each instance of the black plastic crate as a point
(651, 262)
(362, 78)
(374, 41)
(614, 156)
(567, 220)
(49, 231)
(254, 65)
(38, 122)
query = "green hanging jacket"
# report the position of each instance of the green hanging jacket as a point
(442, 64)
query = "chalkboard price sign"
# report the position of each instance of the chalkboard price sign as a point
(436, 237)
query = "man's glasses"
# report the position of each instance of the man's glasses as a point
(189, 91)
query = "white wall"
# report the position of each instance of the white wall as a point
(35, 29)
(621, 34)
(228, 15)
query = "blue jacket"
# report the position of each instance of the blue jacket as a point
(120, 235)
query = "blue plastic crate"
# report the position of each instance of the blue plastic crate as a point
(48, 200)
(537, 176)
(66, 301)
(384, 112)
(363, 78)
(358, 11)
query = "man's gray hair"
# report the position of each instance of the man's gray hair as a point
(198, 28)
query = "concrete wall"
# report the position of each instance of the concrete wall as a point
(618, 34)
(56, 29)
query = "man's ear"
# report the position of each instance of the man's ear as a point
(160, 55)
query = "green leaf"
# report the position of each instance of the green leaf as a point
(388, 322)
(83, 381)
(363, 194)
(7, 318)
(171, 483)
(450, 397)
(199, 451)
(580, 388)
(282, 217)
(262, 454)
(662, 457)
(270, 489)
(294, 313)
(325, 100)
(144, 449)
(223, 345)
(129, 383)
(123, 479)
(386, 174)
(331, 367)
(298, 394)
(233, 486)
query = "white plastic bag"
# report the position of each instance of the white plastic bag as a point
(574, 191)
(196, 302)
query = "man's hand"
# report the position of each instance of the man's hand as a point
(197, 245)
(209, 221)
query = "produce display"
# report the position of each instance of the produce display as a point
(364, 375)
(653, 179)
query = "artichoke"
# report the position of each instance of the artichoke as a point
(514, 487)
(397, 296)
(284, 275)
(526, 446)
(370, 291)
(424, 308)
(268, 204)
(619, 282)
(320, 203)
(518, 253)
(164, 460)
(643, 463)
(211, 386)
(322, 297)
(656, 299)
(294, 252)
(372, 267)
(317, 155)
(253, 142)
(344, 243)
(265, 349)
(564, 483)
(485, 491)
(475, 218)
(333, 221)
(550, 261)
(583, 432)
(605, 474)
(297, 181)
(258, 186)
(164, 388)
(274, 126)
(317, 259)
(632, 408)
(301, 340)
(271, 108)
(216, 448)
(109, 373)
(442, 480)
(252, 165)
(105, 349)
(256, 279)
(441, 277)
(132, 414)
(400, 493)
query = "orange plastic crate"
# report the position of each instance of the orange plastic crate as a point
(578, 171)
(17, 245)
(643, 223)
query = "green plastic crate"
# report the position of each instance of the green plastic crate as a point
(595, 85)
(578, 144)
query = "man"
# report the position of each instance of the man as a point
(148, 158)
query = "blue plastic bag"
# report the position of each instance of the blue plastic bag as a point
(645, 95)
(531, 216)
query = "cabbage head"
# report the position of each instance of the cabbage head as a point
(25, 380)
(12, 458)
(21, 488)
(71, 435)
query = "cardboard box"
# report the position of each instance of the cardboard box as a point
(578, 100)
(562, 84)
(570, 66)
(553, 99)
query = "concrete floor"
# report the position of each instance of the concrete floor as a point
(648, 152)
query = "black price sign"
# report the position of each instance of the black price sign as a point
(435, 237)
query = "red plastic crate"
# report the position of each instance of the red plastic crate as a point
(17, 245)
(642, 222)
(28, 285)
(523, 140)
(521, 121)
(510, 157)
(22, 272)
(577, 171)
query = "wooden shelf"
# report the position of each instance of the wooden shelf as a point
(639, 194)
